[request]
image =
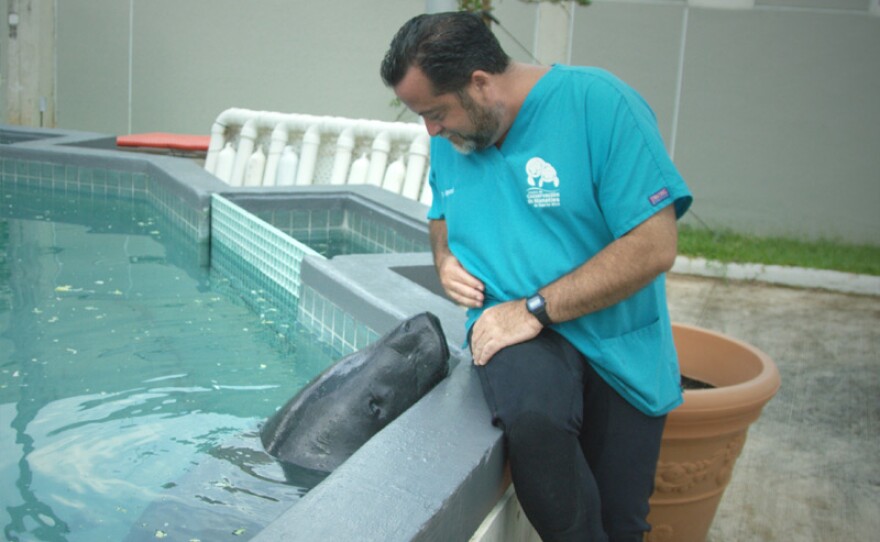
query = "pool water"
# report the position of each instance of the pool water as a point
(132, 380)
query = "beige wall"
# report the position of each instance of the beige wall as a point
(170, 65)
(771, 113)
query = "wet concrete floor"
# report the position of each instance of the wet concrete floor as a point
(810, 469)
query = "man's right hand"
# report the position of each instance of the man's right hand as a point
(461, 286)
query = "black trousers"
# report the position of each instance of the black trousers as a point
(582, 458)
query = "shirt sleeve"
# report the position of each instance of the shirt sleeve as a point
(635, 176)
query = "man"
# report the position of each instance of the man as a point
(553, 221)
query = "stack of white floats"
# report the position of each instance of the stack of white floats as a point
(261, 148)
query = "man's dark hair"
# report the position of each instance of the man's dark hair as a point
(447, 47)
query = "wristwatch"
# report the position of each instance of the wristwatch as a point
(538, 307)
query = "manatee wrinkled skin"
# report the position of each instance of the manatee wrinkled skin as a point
(323, 424)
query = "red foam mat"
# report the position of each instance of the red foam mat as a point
(162, 140)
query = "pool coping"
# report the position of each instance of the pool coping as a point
(432, 474)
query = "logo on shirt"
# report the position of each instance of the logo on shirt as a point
(543, 182)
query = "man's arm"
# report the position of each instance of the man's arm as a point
(460, 285)
(617, 272)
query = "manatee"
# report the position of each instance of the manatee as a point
(353, 399)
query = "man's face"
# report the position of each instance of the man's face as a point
(468, 125)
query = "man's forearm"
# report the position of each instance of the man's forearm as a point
(439, 240)
(617, 272)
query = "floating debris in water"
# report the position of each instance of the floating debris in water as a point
(161, 534)
(239, 532)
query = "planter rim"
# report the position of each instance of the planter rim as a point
(733, 399)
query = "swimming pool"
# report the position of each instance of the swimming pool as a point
(133, 378)
(435, 472)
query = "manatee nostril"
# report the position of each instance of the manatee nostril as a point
(375, 407)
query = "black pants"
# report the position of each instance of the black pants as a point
(582, 458)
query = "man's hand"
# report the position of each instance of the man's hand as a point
(464, 288)
(501, 326)
(461, 286)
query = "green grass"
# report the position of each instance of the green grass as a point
(729, 247)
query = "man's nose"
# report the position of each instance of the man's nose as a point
(433, 128)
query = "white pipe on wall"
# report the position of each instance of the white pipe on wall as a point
(281, 125)
(308, 155)
(344, 148)
(359, 169)
(253, 173)
(219, 135)
(379, 158)
(415, 166)
(223, 163)
(427, 196)
(277, 145)
(287, 165)
(393, 180)
(246, 140)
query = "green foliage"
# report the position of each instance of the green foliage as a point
(730, 247)
(579, 2)
(474, 5)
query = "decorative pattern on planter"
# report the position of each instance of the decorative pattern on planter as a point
(682, 476)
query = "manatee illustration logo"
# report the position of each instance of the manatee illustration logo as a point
(543, 182)
(541, 173)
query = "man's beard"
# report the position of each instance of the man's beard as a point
(486, 121)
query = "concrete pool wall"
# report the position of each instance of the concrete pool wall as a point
(434, 473)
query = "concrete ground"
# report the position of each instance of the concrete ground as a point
(810, 469)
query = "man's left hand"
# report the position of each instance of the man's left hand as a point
(501, 326)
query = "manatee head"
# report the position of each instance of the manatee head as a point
(328, 420)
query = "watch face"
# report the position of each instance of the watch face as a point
(534, 303)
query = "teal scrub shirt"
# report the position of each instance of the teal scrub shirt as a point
(582, 165)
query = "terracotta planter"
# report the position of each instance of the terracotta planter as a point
(704, 436)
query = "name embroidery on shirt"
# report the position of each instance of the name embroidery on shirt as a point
(543, 183)
(659, 196)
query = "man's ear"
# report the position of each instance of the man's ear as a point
(481, 81)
